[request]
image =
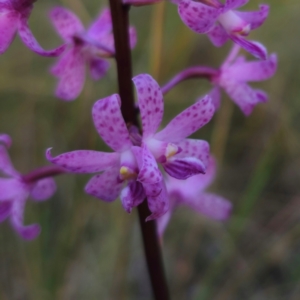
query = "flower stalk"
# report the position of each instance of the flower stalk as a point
(120, 16)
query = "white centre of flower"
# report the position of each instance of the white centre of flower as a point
(233, 24)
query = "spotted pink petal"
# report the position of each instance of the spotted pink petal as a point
(132, 195)
(253, 71)
(43, 189)
(150, 100)
(98, 68)
(218, 35)
(255, 48)
(211, 205)
(261, 95)
(255, 18)
(232, 4)
(102, 25)
(194, 148)
(8, 26)
(5, 209)
(30, 41)
(84, 161)
(197, 16)
(110, 124)
(66, 23)
(158, 205)
(243, 95)
(106, 186)
(148, 169)
(71, 70)
(188, 121)
(5, 163)
(29, 232)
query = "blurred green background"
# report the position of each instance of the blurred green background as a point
(89, 249)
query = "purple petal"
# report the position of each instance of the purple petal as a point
(10, 188)
(232, 4)
(132, 195)
(8, 26)
(106, 186)
(102, 25)
(132, 37)
(197, 16)
(5, 163)
(194, 148)
(255, 48)
(218, 35)
(84, 161)
(6, 140)
(215, 95)
(211, 205)
(243, 95)
(148, 169)
(66, 23)
(158, 205)
(5, 210)
(261, 95)
(150, 101)
(30, 41)
(188, 121)
(253, 71)
(71, 71)
(183, 168)
(255, 18)
(162, 223)
(43, 189)
(29, 232)
(98, 68)
(110, 124)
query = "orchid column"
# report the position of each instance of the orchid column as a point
(119, 13)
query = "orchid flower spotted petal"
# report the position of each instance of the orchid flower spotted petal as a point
(106, 186)
(191, 192)
(98, 68)
(8, 27)
(84, 161)
(222, 22)
(151, 103)
(70, 70)
(66, 23)
(188, 121)
(110, 124)
(14, 18)
(15, 191)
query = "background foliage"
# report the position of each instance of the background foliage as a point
(92, 250)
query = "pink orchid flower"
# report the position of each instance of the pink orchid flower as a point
(14, 16)
(180, 157)
(14, 191)
(92, 46)
(233, 76)
(191, 193)
(119, 167)
(222, 22)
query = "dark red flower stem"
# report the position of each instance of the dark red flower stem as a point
(120, 18)
(193, 72)
(41, 173)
